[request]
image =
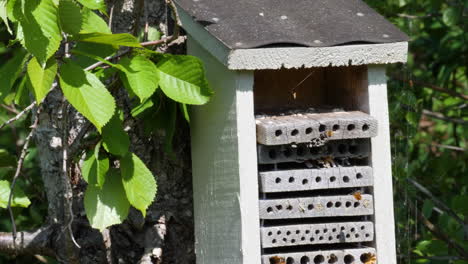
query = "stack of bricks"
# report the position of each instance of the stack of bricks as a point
(315, 186)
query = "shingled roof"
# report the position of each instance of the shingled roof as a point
(247, 24)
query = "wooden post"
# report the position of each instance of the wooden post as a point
(225, 183)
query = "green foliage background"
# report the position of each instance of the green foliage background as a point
(426, 149)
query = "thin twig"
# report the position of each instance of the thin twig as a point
(448, 147)
(10, 109)
(19, 115)
(24, 152)
(442, 117)
(111, 15)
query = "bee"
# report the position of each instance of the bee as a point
(333, 258)
(369, 258)
(357, 195)
(277, 260)
(321, 139)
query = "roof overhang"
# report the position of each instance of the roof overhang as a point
(293, 57)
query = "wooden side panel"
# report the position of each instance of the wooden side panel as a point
(224, 168)
(381, 162)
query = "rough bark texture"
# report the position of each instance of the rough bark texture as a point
(166, 234)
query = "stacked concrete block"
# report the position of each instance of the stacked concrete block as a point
(301, 128)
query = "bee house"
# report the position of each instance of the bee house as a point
(291, 157)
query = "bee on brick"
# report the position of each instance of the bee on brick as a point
(277, 260)
(357, 195)
(369, 258)
(322, 139)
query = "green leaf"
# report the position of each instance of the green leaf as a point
(10, 71)
(95, 167)
(138, 181)
(41, 79)
(140, 76)
(87, 94)
(4, 16)
(106, 206)
(182, 78)
(166, 120)
(93, 23)
(427, 208)
(94, 4)
(70, 17)
(142, 107)
(152, 35)
(185, 112)
(6, 159)
(19, 199)
(97, 50)
(116, 140)
(122, 39)
(451, 16)
(41, 31)
(460, 204)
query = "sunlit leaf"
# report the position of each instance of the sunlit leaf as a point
(41, 79)
(140, 76)
(115, 139)
(19, 199)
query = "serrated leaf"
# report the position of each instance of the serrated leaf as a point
(41, 31)
(95, 167)
(142, 107)
(10, 10)
(4, 16)
(115, 139)
(10, 71)
(87, 94)
(182, 78)
(70, 17)
(93, 23)
(121, 39)
(94, 4)
(41, 79)
(138, 181)
(140, 76)
(6, 159)
(19, 199)
(106, 206)
(98, 50)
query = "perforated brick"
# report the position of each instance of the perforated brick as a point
(345, 256)
(322, 206)
(315, 179)
(301, 128)
(358, 148)
(312, 234)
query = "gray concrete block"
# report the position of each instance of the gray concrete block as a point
(315, 179)
(344, 256)
(302, 128)
(355, 148)
(321, 206)
(313, 234)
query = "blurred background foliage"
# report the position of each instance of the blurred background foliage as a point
(429, 118)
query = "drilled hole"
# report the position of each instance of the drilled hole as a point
(278, 180)
(351, 127)
(302, 238)
(337, 204)
(321, 238)
(334, 230)
(357, 235)
(307, 231)
(312, 239)
(363, 227)
(273, 241)
(345, 179)
(297, 232)
(305, 181)
(308, 130)
(332, 178)
(289, 207)
(288, 233)
(272, 154)
(365, 127)
(348, 204)
(356, 204)
(269, 210)
(343, 228)
(291, 179)
(317, 232)
(278, 133)
(322, 128)
(330, 238)
(359, 176)
(295, 132)
(367, 257)
(318, 179)
(319, 259)
(333, 258)
(270, 233)
(290, 260)
(293, 240)
(285, 239)
(305, 260)
(342, 148)
(279, 207)
(325, 230)
(329, 204)
(348, 259)
(352, 229)
(367, 235)
(279, 232)
(310, 207)
(348, 235)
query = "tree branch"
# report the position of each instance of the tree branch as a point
(18, 116)
(440, 116)
(34, 242)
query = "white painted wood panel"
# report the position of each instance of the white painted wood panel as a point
(382, 165)
(224, 164)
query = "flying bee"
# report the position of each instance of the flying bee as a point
(321, 139)
(277, 260)
(369, 258)
(357, 195)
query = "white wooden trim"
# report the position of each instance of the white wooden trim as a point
(225, 182)
(381, 163)
(293, 57)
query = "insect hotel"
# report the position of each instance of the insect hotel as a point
(291, 157)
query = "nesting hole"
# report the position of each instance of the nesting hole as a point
(336, 127)
(359, 176)
(290, 260)
(348, 204)
(318, 179)
(295, 132)
(319, 259)
(279, 207)
(366, 257)
(333, 258)
(269, 210)
(348, 259)
(356, 204)
(365, 127)
(273, 241)
(351, 127)
(308, 130)
(310, 207)
(332, 178)
(305, 181)
(278, 180)
(278, 133)
(329, 204)
(322, 128)
(305, 260)
(338, 204)
(291, 179)
(345, 179)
